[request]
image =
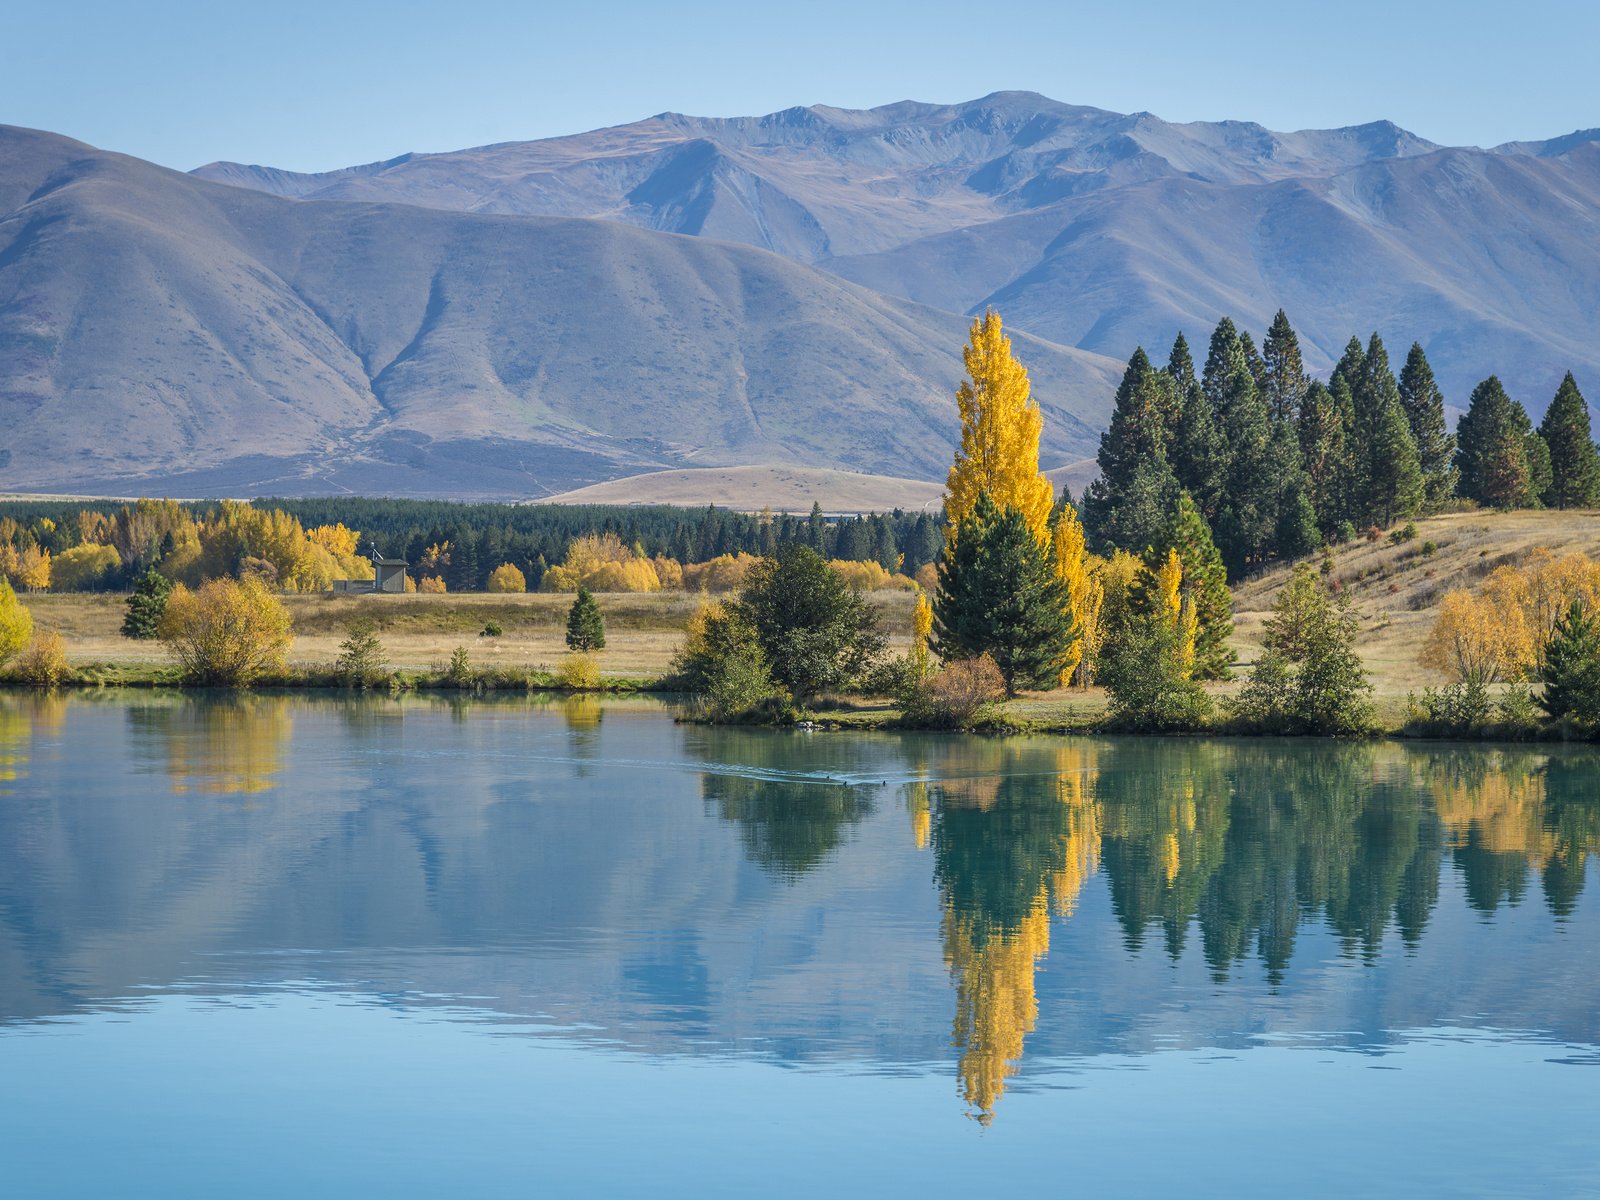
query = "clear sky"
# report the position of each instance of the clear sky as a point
(312, 86)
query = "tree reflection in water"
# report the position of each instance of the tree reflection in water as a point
(1245, 843)
(230, 746)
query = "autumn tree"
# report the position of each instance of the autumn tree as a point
(227, 632)
(1205, 581)
(508, 579)
(1574, 461)
(586, 628)
(1000, 595)
(1082, 588)
(921, 633)
(16, 624)
(1000, 426)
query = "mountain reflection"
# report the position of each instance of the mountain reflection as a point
(896, 899)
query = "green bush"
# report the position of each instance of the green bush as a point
(491, 630)
(362, 662)
(1150, 688)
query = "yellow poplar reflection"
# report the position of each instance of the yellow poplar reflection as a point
(230, 748)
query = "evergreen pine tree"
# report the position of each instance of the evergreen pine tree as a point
(1324, 449)
(1253, 361)
(1388, 478)
(146, 606)
(1352, 365)
(586, 628)
(1436, 448)
(999, 595)
(1571, 668)
(1285, 374)
(1492, 445)
(1574, 462)
(1198, 456)
(1205, 581)
(1247, 522)
(1136, 487)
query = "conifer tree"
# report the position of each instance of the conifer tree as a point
(1492, 449)
(1128, 503)
(1198, 457)
(1253, 361)
(1388, 478)
(1247, 520)
(1285, 374)
(1436, 448)
(1574, 462)
(146, 606)
(1352, 365)
(1000, 425)
(1571, 667)
(1000, 595)
(1324, 449)
(586, 627)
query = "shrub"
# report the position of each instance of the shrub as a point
(1404, 534)
(722, 664)
(725, 573)
(362, 662)
(870, 576)
(1518, 710)
(491, 629)
(44, 664)
(1428, 549)
(16, 623)
(1346, 532)
(1457, 708)
(815, 632)
(146, 606)
(431, 585)
(957, 695)
(898, 677)
(460, 672)
(227, 632)
(1144, 671)
(506, 578)
(578, 673)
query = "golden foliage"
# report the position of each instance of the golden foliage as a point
(83, 566)
(432, 585)
(579, 672)
(921, 630)
(601, 562)
(927, 578)
(1084, 592)
(44, 664)
(16, 623)
(725, 573)
(227, 631)
(869, 576)
(234, 748)
(336, 540)
(507, 578)
(1000, 426)
(27, 568)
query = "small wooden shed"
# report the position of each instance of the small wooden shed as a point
(388, 575)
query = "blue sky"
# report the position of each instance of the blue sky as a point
(312, 86)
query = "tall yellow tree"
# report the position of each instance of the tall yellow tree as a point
(1000, 426)
(1084, 591)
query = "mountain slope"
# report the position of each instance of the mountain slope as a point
(1096, 229)
(162, 332)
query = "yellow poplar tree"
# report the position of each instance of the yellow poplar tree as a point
(921, 631)
(1000, 426)
(1084, 592)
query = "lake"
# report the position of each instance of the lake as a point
(294, 946)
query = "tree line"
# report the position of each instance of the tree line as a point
(1278, 463)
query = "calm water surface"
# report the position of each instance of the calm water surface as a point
(298, 947)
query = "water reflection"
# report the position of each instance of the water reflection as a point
(986, 903)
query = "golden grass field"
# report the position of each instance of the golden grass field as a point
(1394, 588)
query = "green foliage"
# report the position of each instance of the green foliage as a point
(146, 606)
(999, 595)
(491, 629)
(1458, 708)
(1199, 456)
(1142, 666)
(460, 672)
(578, 672)
(1436, 447)
(815, 631)
(1388, 481)
(1309, 678)
(362, 662)
(586, 627)
(1574, 461)
(16, 623)
(1324, 434)
(1128, 503)
(1494, 442)
(1571, 669)
(723, 665)
(1285, 380)
(1406, 533)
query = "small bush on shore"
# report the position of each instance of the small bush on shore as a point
(16, 623)
(44, 664)
(228, 632)
(958, 695)
(362, 662)
(579, 672)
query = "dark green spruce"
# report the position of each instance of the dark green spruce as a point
(1574, 462)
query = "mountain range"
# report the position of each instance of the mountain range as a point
(788, 291)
